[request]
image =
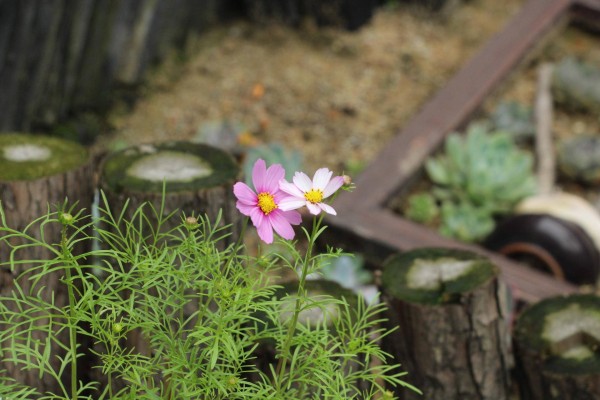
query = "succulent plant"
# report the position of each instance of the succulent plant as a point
(466, 222)
(224, 134)
(514, 118)
(484, 168)
(422, 208)
(480, 175)
(576, 84)
(578, 158)
(272, 153)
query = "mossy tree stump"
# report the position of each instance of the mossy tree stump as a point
(557, 342)
(197, 179)
(178, 178)
(452, 336)
(37, 174)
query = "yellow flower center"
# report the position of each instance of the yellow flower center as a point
(314, 196)
(266, 202)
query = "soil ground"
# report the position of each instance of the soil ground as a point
(335, 96)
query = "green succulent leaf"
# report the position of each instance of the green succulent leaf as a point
(484, 168)
(466, 222)
(422, 208)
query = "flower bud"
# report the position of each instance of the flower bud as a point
(66, 219)
(117, 327)
(387, 395)
(232, 381)
(347, 180)
(191, 223)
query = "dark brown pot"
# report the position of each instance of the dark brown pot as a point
(548, 243)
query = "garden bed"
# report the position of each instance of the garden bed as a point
(367, 220)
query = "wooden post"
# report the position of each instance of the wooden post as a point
(37, 173)
(556, 347)
(452, 334)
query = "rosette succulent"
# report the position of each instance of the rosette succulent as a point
(482, 170)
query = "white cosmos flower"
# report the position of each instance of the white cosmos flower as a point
(304, 192)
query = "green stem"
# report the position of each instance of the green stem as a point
(72, 329)
(301, 296)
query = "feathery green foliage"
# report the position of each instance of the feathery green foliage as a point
(199, 313)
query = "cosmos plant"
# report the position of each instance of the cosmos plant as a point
(155, 312)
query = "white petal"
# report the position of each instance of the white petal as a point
(290, 188)
(313, 208)
(333, 186)
(327, 208)
(321, 178)
(302, 181)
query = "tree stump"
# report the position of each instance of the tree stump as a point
(36, 174)
(175, 178)
(197, 179)
(450, 311)
(557, 342)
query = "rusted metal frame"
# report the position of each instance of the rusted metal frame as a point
(364, 222)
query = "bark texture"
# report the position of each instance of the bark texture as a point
(549, 368)
(455, 349)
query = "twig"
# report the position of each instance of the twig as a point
(543, 122)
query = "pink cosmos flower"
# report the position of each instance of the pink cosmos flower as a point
(305, 192)
(262, 206)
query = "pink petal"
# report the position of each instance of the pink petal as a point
(314, 209)
(293, 217)
(327, 208)
(321, 178)
(275, 173)
(281, 225)
(302, 181)
(291, 203)
(333, 186)
(245, 209)
(290, 188)
(257, 217)
(259, 171)
(265, 231)
(244, 193)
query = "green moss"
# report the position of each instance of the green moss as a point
(118, 172)
(467, 271)
(531, 332)
(60, 156)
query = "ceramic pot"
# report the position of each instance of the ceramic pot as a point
(554, 245)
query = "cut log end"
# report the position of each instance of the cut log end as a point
(182, 166)
(562, 334)
(435, 275)
(25, 157)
